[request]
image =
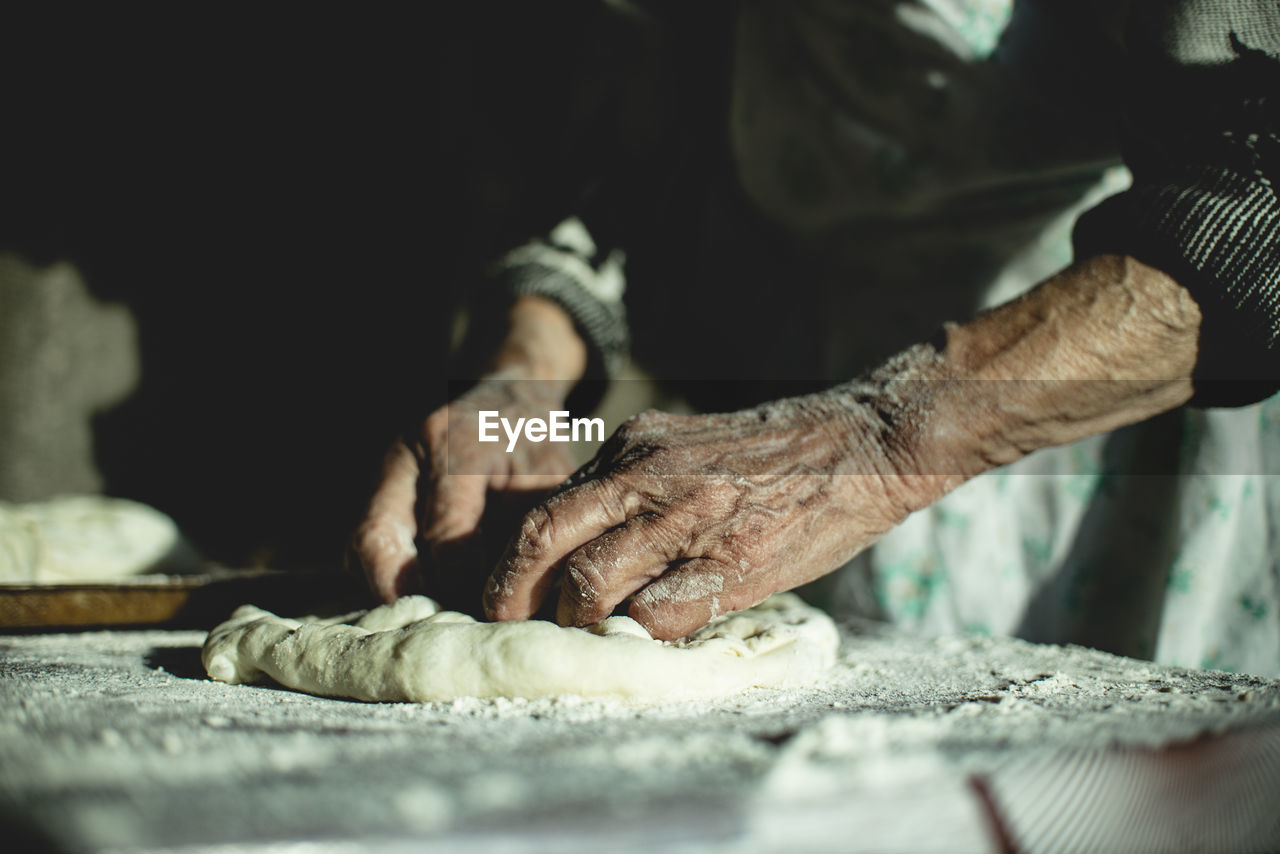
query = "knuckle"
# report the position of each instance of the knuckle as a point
(662, 539)
(436, 426)
(536, 532)
(375, 538)
(638, 425)
(742, 540)
(616, 500)
(584, 582)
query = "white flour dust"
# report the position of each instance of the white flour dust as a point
(116, 740)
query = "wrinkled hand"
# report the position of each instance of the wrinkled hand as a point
(699, 515)
(434, 493)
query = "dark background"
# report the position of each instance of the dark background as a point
(260, 191)
(292, 205)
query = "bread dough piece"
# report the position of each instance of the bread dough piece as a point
(412, 651)
(87, 538)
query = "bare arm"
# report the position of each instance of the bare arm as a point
(1107, 342)
(697, 515)
(541, 344)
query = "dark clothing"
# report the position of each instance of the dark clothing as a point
(1188, 89)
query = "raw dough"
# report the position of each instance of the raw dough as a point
(413, 651)
(88, 538)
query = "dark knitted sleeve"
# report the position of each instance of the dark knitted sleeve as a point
(1202, 138)
(567, 268)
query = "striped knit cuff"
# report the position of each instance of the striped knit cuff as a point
(566, 268)
(1219, 237)
(591, 296)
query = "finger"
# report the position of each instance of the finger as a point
(685, 598)
(614, 565)
(455, 483)
(453, 505)
(383, 543)
(564, 522)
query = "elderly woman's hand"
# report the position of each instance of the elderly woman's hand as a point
(697, 515)
(435, 490)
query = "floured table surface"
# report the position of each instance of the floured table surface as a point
(112, 740)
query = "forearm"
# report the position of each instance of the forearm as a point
(582, 281)
(1105, 343)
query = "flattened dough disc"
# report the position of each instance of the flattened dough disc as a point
(412, 651)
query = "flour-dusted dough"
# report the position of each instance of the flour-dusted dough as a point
(412, 651)
(86, 539)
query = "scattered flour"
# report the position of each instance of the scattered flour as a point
(108, 739)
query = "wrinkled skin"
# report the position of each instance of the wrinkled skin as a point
(426, 523)
(699, 515)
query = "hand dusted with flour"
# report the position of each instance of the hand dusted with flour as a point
(698, 515)
(708, 514)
